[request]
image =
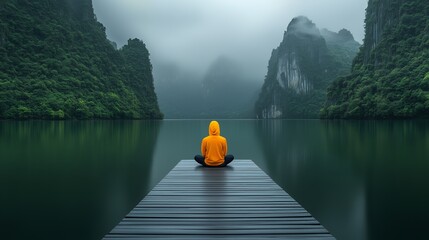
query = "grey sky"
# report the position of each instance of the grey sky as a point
(193, 33)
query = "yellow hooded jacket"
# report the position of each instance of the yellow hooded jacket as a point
(214, 147)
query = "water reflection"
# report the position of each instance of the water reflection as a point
(72, 179)
(178, 140)
(76, 180)
(359, 178)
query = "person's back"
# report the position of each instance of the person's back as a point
(214, 148)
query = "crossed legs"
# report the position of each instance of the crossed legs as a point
(200, 159)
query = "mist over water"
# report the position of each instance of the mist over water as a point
(189, 40)
(223, 92)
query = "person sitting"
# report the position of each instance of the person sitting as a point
(214, 148)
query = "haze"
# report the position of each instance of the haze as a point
(192, 33)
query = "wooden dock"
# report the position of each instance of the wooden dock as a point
(236, 202)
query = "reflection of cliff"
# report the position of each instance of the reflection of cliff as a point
(83, 175)
(391, 157)
(305, 162)
(369, 173)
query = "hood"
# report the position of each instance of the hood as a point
(214, 128)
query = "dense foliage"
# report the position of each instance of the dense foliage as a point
(314, 57)
(56, 63)
(390, 75)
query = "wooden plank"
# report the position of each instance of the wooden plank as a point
(235, 237)
(235, 202)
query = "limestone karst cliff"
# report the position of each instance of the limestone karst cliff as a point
(301, 68)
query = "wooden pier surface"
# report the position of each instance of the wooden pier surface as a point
(236, 202)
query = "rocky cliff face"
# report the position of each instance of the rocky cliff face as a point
(382, 15)
(301, 68)
(302, 44)
(390, 74)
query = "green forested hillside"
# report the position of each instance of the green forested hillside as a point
(390, 75)
(56, 63)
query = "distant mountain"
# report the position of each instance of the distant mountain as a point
(56, 63)
(179, 92)
(301, 68)
(227, 92)
(390, 75)
(224, 91)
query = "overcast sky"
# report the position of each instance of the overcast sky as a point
(194, 33)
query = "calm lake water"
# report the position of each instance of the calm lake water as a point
(78, 179)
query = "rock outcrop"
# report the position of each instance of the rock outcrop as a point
(301, 68)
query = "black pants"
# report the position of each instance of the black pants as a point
(200, 160)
